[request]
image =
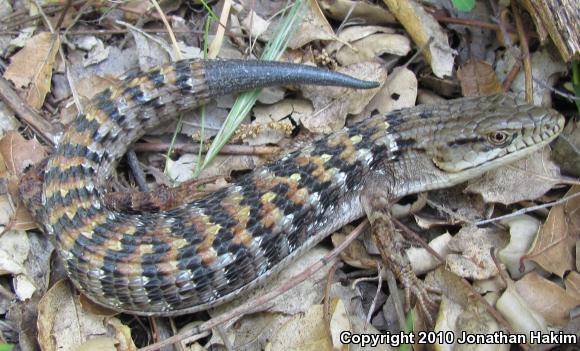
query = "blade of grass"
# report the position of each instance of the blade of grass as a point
(245, 101)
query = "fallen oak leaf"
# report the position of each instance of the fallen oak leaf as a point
(31, 68)
(554, 246)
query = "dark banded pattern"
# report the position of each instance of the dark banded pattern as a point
(210, 250)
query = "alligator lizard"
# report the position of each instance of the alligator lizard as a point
(208, 251)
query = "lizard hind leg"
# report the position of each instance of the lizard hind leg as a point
(392, 246)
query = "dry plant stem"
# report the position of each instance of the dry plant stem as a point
(216, 44)
(124, 31)
(528, 209)
(251, 306)
(47, 131)
(137, 171)
(470, 22)
(376, 297)
(411, 234)
(227, 149)
(63, 13)
(511, 77)
(329, 281)
(7, 293)
(526, 53)
(394, 289)
(169, 30)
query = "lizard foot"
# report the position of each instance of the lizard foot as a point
(424, 295)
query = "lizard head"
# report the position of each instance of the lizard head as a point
(493, 135)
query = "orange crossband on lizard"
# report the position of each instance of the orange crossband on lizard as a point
(210, 250)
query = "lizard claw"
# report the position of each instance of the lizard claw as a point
(427, 297)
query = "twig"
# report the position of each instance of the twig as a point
(48, 132)
(528, 209)
(169, 30)
(137, 171)
(193, 148)
(471, 23)
(526, 53)
(253, 305)
(379, 286)
(63, 13)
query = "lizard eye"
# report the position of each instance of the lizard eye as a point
(499, 137)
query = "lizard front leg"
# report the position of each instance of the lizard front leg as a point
(392, 246)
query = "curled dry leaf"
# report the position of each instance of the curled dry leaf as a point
(477, 78)
(332, 105)
(422, 260)
(547, 298)
(31, 68)
(367, 42)
(518, 312)
(421, 26)
(16, 154)
(554, 246)
(314, 26)
(14, 249)
(523, 230)
(356, 9)
(525, 179)
(254, 24)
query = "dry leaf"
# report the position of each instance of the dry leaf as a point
(98, 343)
(421, 26)
(314, 26)
(518, 312)
(296, 300)
(547, 71)
(477, 78)
(333, 104)
(474, 245)
(554, 246)
(398, 92)
(523, 230)
(572, 283)
(355, 254)
(525, 179)
(369, 12)
(62, 324)
(273, 122)
(19, 153)
(368, 47)
(308, 332)
(422, 260)
(547, 298)
(31, 68)
(182, 169)
(14, 249)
